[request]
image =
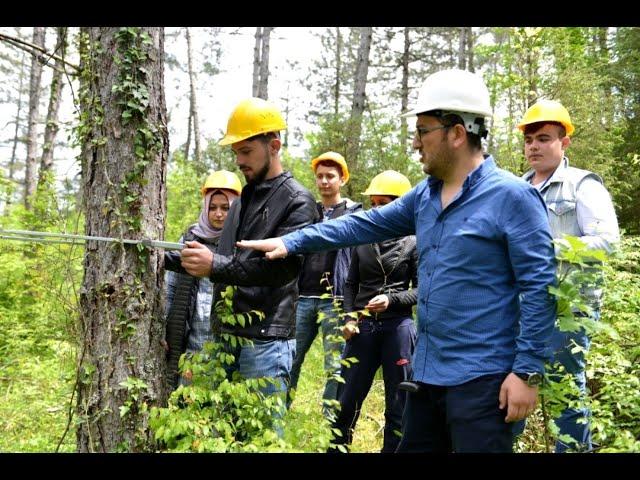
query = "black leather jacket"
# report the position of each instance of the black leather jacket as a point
(274, 208)
(389, 268)
(271, 209)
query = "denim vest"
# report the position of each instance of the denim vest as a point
(560, 195)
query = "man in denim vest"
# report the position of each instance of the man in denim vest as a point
(579, 205)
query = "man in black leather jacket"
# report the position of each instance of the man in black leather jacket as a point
(271, 204)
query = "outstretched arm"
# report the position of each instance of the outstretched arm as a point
(273, 247)
(395, 219)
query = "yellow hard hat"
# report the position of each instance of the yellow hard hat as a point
(388, 182)
(547, 111)
(334, 157)
(251, 117)
(222, 179)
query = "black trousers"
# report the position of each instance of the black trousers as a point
(386, 343)
(463, 418)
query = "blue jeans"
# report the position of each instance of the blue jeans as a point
(574, 363)
(462, 418)
(562, 343)
(307, 325)
(264, 358)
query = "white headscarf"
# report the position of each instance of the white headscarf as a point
(204, 229)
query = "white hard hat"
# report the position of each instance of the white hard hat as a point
(455, 91)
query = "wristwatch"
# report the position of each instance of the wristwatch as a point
(531, 379)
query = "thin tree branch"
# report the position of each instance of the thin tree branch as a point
(35, 50)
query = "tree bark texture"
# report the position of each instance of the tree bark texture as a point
(263, 85)
(123, 157)
(470, 41)
(260, 84)
(32, 128)
(462, 44)
(255, 85)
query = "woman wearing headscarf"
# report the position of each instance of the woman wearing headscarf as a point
(189, 298)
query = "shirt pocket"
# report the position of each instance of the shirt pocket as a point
(562, 207)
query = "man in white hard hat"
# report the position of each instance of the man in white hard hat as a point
(486, 261)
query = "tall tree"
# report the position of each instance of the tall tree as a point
(260, 87)
(462, 48)
(338, 64)
(263, 90)
(465, 48)
(255, 85)
(470, 38)
(124, 147)
(32, 130)
(359, 95)
(404, 84)
(18, 119)
(51, 125)
(193, 105)
(330, 80)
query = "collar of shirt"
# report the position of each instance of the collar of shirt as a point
(485, 168)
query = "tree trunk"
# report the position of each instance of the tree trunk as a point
(357, 106)
(256, 62)
(263, 85)
(404, 88)
(187, 145)
(462, 43)
(12, 162)
(336, 90)
(51, 126)
(470, 41)
(124, 148)
(32, 130)
(193, 104)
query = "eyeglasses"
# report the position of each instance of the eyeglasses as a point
(423, 131)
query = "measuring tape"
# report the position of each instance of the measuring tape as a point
(68, 238)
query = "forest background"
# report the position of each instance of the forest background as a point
(340, 89)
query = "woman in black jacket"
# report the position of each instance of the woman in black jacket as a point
(381, 289)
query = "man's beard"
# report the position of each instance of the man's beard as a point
(439, 162)
(261, 174)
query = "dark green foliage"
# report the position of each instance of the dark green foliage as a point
(216, 413)
(613, 371)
